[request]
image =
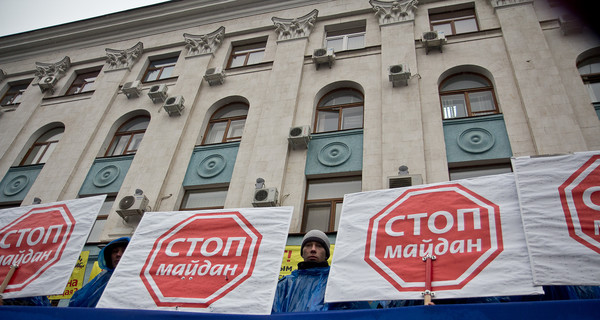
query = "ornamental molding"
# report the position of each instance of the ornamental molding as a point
(123, 59)
(506, 3)
(205, 43)
(289, 29)
(389, 12)
(56, 70)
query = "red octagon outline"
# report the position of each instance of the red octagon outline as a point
(485, 258)
(569, 207)
(163, 301)
(68, 220)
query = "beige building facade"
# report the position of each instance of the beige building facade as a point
(192, 101)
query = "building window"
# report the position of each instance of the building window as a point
(96, 232)
(14, 94)
(454, 22)
(340, 109)
(458, 173)
(590, 74)
(160, 69)
(247, 54)
(347, 39)
(128, 137)
(41, 150)
(204, 199)
(84, 82)
(324, 198)
(467, 95)
(227, 124)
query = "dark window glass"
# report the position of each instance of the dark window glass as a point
(467, 95)
(128, 137)
(340, 110)
(41, 150)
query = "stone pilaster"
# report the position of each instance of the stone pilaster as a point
(550, 115)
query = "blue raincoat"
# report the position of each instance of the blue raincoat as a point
(304, 290)
(89, 295)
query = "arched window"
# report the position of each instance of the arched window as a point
(127, 139)
(41, 150)
(467, 95)
(227, 124)
(340, 109)
(590, 74)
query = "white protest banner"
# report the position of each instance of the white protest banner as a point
(472, 227)
(560, 205)
(44, 241)
(222, 261)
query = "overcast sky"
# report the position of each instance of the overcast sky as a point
(18, 16)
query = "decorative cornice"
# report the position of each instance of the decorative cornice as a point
(506, 3)
(56, 70)
(288, 29)
(123, 59)
(205, 43)
(389, 12)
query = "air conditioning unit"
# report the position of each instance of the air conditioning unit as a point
(265, 197)
(48, 83)
(299, 137)
(399, 74)
(158, 93)
(214, 76)
(174, 105)
(132, 89)
(404, 181)
(322, 56)
(134, 205)
(569, 24)
(433, 39)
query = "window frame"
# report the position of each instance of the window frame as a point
(102, 216)
(345, 34)
(15, 91)
(44, 147)
(116, 137)
(465, 93)
(453, 16)
(203, 190)
(81, 81)
(247, 50)
(169, 62)
(331, 202)
(340, 110)
(228, 120)
(592, 78)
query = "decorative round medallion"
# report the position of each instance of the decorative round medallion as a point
(16, 185)
(334, 154)
(106, 176)
(211, 166)
(476, 140)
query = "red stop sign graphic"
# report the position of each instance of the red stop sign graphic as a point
(580, 198)
(35, 242)
(459, 227)
(201, 259)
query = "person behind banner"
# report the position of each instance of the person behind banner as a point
(108, 259)
(304, 289)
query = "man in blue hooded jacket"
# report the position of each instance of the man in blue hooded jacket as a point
(108, 259)
(304, 289)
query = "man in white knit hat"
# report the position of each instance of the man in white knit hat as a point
(304, 289)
